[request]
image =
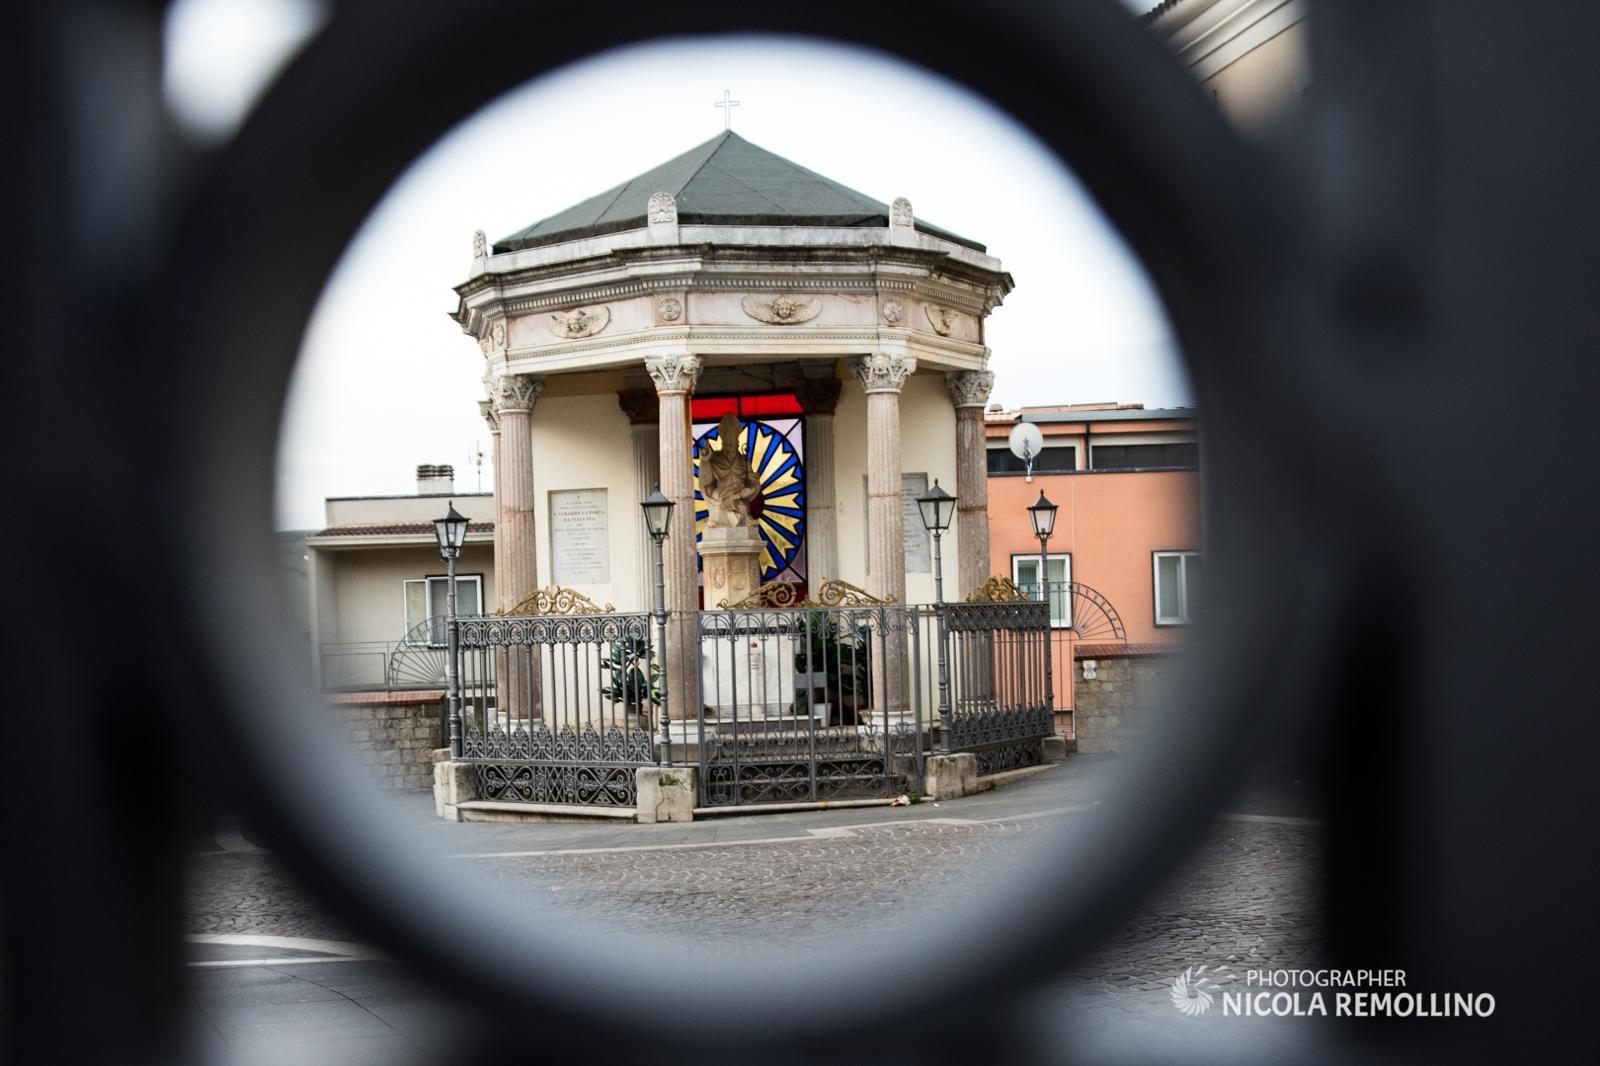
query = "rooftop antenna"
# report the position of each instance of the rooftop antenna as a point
(476, 458)
(1026, 442)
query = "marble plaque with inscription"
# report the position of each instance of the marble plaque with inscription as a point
(579, 544)
(919, 554)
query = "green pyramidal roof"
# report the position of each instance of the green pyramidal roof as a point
(725, 182)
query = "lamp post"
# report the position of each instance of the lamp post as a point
(938, 507)
(451, 531)
(657, 518)
(1043, 515)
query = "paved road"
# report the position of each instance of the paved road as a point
(282, 975)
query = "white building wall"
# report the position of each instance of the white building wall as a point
(367, 585)
(584, 442)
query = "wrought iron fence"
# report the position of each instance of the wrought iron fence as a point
(808, 703)
(999, 705)
(559, 709)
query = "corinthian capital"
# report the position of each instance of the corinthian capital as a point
(674, 373)
(491, 417)
(516, 392)
(969, 388)
(883, 372)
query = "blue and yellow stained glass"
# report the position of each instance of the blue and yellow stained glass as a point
(776, 461)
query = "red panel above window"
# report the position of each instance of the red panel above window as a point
(712, 408)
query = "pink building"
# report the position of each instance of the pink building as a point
(1124, 561)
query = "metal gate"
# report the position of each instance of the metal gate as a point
(808, 703)
(558, 709)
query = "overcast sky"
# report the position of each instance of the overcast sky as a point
(387, 381)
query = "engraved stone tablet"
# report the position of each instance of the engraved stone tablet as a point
(579, 545)
(919, 554)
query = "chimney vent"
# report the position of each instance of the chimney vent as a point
(435, 480)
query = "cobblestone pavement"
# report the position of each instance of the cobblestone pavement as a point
(1246, 901)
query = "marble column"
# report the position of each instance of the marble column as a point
(969, 392)
(641, 407)
(516, 558)
(818, 398)
(882, 375)
(674, 377)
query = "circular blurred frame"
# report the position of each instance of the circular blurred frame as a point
(267, 220)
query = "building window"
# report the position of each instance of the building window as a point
(1144, 456)
(1025, 572)
(1177, 584)
(1052, 459)
(428, 599)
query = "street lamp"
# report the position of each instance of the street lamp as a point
(451, 531)
(937, 508)
(657, 518)
(1043, 515)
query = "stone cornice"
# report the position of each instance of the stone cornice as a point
(628, 272)
(733, 346)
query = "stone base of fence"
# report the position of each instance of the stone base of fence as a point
(395, 733)
(454, 783)
(949, 776)
(667, 793)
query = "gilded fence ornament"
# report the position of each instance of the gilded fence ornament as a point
(997, 590)
(782, 594)
(556, 600)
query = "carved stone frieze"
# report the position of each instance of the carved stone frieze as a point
(497, 335)
(674, 373)
(969, 388)
(516, 392)
(900, 212)
(884, 372)
(942, 319)
(893, 311)
(783, 310)
(669, 309)
(579, 322)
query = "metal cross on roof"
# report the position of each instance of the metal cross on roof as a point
(727, 103)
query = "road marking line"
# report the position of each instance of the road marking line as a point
(822, 833)
(227, 964)
(286, 943)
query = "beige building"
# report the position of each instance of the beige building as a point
(1250, 55)
(376, 580)
(845, 334)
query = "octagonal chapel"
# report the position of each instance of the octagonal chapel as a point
(844, 337)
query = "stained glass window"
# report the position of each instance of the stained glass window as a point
(772, 440)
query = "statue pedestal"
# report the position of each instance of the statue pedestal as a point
(732, 564)
(742, 677)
